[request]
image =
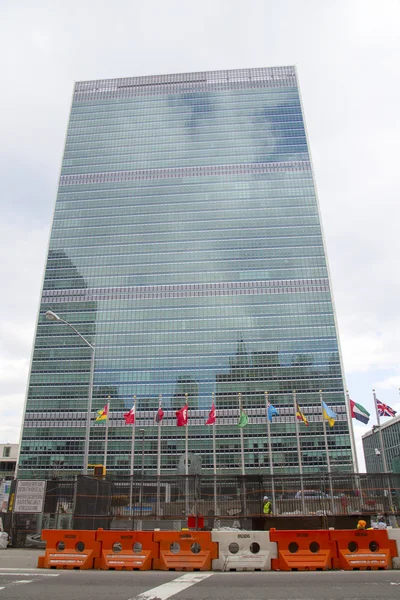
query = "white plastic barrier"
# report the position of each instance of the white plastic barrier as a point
(394, 534)
(243, 551)
(3, 540)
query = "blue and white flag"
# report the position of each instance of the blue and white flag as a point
(272, 411)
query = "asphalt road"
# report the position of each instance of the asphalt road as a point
(21, 580)
(39, 584)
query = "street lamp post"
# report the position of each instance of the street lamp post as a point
(52, 316)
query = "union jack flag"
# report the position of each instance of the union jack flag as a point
(384, 410)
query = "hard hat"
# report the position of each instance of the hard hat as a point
(265, 497)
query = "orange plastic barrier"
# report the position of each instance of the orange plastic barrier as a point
(369, 549)
(302, 550)
(185, 551)
(69, 549)
(126, 550)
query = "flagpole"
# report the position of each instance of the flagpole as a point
(132, 456)
(271, 464)
(353, 443)
(214, 457)
(106, 440)
(297, 433)
(328, 460)
(298, 450)
(351, 429)
(159, 458)
(187, 457)
(241, 434)
(186, 440)
(385, 465)
(214, 444)
(159, 440)
(383, 451)
(133, 438)
(244, 499)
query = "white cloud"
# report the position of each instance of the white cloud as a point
(13, 372)
(11, 417)
(366, 349)
(389, 383)
(41, 39)
(21, 276)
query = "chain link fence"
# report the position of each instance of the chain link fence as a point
(221, 501)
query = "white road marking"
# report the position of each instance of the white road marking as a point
(19, 581)
(18, 568)
(166, 590)
(20, 574)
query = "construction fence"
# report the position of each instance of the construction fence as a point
(218, 501)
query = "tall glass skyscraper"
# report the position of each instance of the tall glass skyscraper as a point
(187, 248)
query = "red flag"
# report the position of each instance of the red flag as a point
(384, 410)
(130, 416)
(211, 416)
(182, 416)
(159, 415)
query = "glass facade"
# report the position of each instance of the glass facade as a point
(187, 248)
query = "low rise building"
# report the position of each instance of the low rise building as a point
(8, 460)
(391, 446)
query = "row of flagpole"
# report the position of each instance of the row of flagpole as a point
(356, 411)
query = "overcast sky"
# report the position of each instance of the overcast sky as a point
(347, 53)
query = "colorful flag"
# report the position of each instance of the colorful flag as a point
(102, 414)
(159, 415)
(211, 415)
(243, 420)
(328, 414)
(300, 416)
(130, 416)
(384, 410)
(272, 411)
(359, 412)
(182, 416)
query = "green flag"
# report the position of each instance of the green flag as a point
(244, 419)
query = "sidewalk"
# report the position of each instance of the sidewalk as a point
(19, 558)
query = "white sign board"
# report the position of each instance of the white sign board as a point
(29, 496)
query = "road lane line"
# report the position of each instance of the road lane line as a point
(21, 574)
(18, 568)
(166, 590)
